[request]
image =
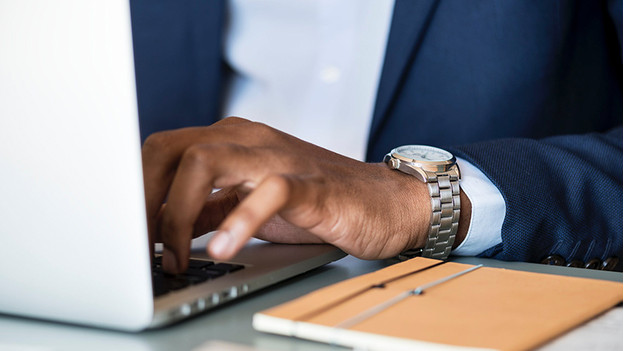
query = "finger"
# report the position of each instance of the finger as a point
(156, 237)
(271, 195)
(160, 157)
(191, 186)
(161, 154)
(201, 169)
(216, 208)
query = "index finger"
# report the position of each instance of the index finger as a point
(274, 194)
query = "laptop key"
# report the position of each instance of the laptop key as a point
(200, 264)
(193, 263)
(194, 279)
(225, 267)
(176, 282)
(158, 285)
(163, 284)
(207, 274)
(199, 271)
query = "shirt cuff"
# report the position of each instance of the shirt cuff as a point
(488, 211)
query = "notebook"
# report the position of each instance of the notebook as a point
(448, 306)
(74, 238)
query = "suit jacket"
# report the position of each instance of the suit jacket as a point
(528, 91)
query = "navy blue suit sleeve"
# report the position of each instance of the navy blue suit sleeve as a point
(563, 195)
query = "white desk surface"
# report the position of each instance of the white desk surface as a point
(229, 327)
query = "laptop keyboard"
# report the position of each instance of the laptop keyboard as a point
(199, 271)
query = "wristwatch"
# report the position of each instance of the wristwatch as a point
(438, 169)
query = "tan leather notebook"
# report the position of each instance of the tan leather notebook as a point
(485, 308)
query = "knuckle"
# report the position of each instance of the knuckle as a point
(232, 120)
(197, 155)
(254, 131)
(245, 131)
(261, 128)
(157, 142)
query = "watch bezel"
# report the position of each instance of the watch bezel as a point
(429, 166)
(409, 150)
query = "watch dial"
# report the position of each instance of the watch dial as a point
(424, 153)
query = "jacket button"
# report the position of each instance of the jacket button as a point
(576, 264)
(554, 260)
(594, 263)
(610, 263)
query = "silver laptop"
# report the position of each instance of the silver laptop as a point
(73, 237)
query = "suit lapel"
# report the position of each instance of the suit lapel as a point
(409, 24)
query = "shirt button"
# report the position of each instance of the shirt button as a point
(576, 264)
(594, 263)
(330, 74)
(554, 260)
(610, 263)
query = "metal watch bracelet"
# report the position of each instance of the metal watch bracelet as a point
(445, 205)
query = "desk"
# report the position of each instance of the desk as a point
(232, 323)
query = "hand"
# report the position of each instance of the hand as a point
(276, 187)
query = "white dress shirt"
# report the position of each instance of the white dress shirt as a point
(311, 68)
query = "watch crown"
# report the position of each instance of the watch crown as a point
(394, 163)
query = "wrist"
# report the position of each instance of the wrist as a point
(418, 206)
(410, 210)
(437, 169)
(417, 216)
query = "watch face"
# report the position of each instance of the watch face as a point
(424, 153)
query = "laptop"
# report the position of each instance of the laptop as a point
(74, 244)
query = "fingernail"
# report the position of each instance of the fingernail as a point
(170, 261)
(221, 243)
